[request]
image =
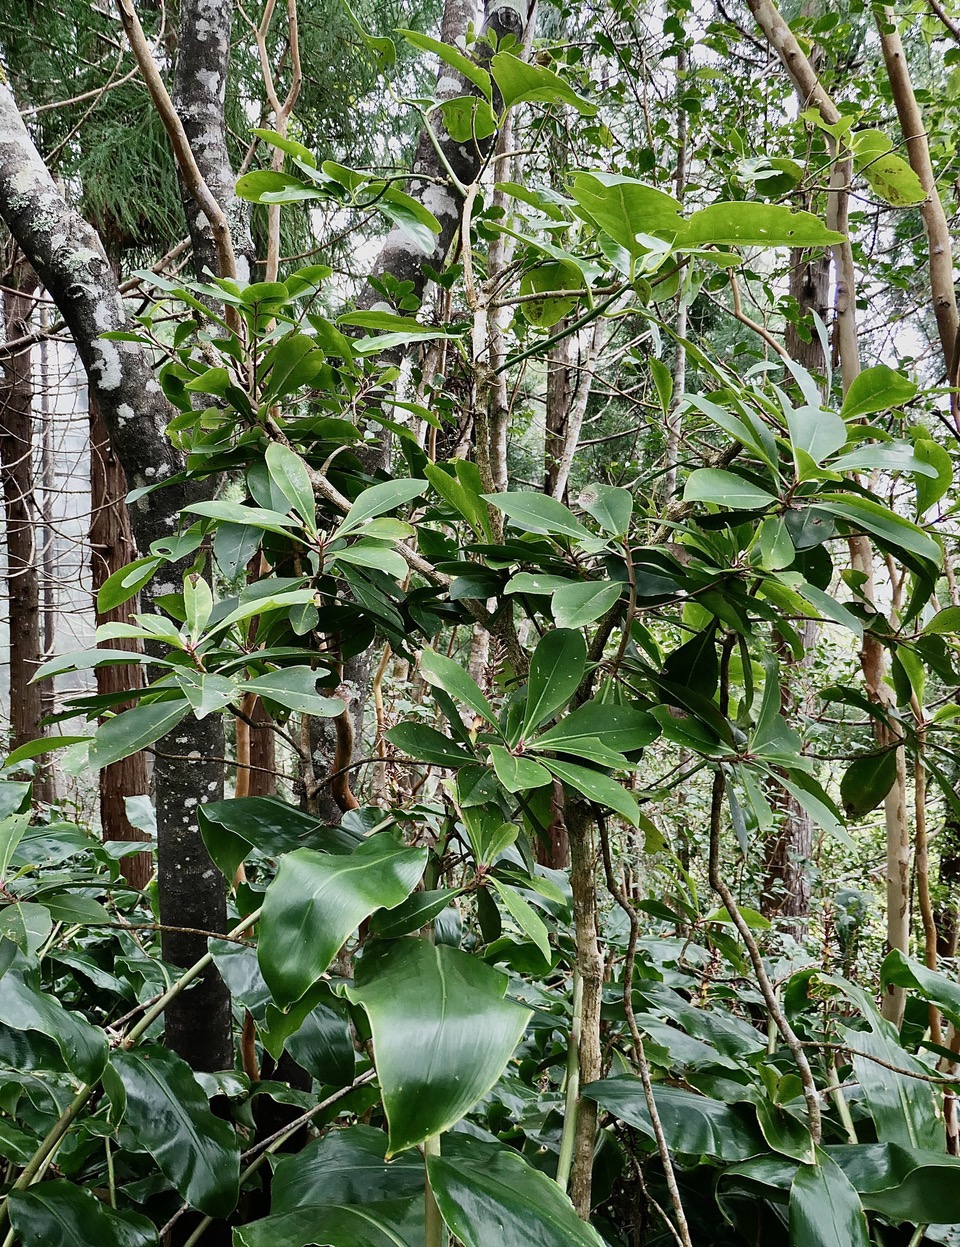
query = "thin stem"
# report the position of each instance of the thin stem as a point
(434, 1227)
(571, 1096)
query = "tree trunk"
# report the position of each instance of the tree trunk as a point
(112, 547)
(16, 466)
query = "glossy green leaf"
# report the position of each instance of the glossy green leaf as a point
(904, 971)
(23, 1008)
(315, 902)
(518, 774)
(12, 830)
(543, 280)
(752, 224)
(525, 82)
(610, 505)
(442, 1033)
(27, 925)
(444, 673)
(694, 1125)
(451, 56)
(879, 388)
(931, 489)
(426, 744)
(556, 670)
(726, 489)
(295, 688)
(825, 1209)
(252, 517)
(525, 916)
(124, 584)
(388, 1223)
(596, 731)
(481, 1185)
(379, 499)
(905, 1184)
(69, 1215)
(887, 174)
(135, 729)
(819, 433)
(539, 513)
(415, 912)
(874, 518)
(625, 209)
(289, 473)
(596, 786)
(582, 602)
(232, 829)
(867, 781)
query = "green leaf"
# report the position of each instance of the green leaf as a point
(371, 554)
(539, 513)
(625, 208)
(524, 82)
(83, 1047)
(27, 925)
(64, 1213)
(944, 623)
(609, 505)
(84, 661)
(197, 605)
(726, 489)
(825, 1209)
(518, 774)
(295, 362)
(556, 670)
(450, 56)
(442, 672)
(168, 1114)
(877, 389)
(819, 433)
(289, 473)
(867, 781)
(295, 688)
(417, 911)
(881, 522)
(135, 729)
(694, 1125)
(426, 744)
(123, 585)
(206, 693)
(387, 1223)
(12, 830)
(597, 731)
(931, 489)
(480, 1185)
(752, 224)
(442, 1033)
(378, 499)
(525, 916)
(547, 277)
(888, 174)
(904, 971)
(315, 902)
(462, 499)
(597, 787)
(582, 602)
(904, 1184)
(252, 517)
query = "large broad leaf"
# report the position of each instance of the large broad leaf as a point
(877, 389)
(518, 774)
(65, 1214)
(295, 688)
(391, 1223)
(905, 1110)
(426, 744)
(442, 1033)
(694, 1125)
(379, 499)
(905, 1184)
(878, 520)
(582, 602)
(756, 225)
(346, 1167)
(539, 513)
(315, 902)
(456, 60)
(22, 1008)
(596, 730)
(726, 489)
(597, 787)
(903, 971)
(888, 174)
(442, 672)
(480, 1185)
(135, 729)
(625, 208)
(825, 1209)
(287, 470)
(168, 1114)
(556, 670)
(867, 781)
(232, 829)
(524, 82)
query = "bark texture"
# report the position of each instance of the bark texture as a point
(16, 467)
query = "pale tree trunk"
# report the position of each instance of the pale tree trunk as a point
(16, 466)
(111, 547)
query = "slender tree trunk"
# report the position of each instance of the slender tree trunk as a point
(111, 547)
(16, 466)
